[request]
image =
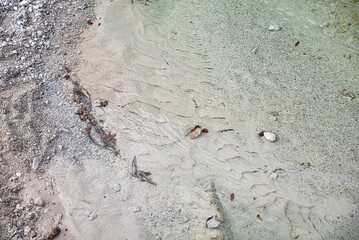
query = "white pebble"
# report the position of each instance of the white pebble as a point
(274, 27)
(273, 176)
(35, 164)
(213, 223)
(270, 137)
(39, 202)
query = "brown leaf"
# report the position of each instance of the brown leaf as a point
(67, 69)
(232, 196)
(261, 134)
(89, 22)
(104, 103)
(296, 44)
(205, 130)
(88, 129)
(99, 24)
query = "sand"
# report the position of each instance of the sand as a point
(167, 66)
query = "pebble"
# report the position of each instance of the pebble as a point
(273, 176)
(116, 187)
(35, 164)
(27, 230)
(274, 27)
(47, 210)
(92, 215)
(255, 50)
(31, 215)
(23, 3)
(273, 118)
(39, 202)
(295, 235)
(270, 137)
(136, 209)
(213, 223)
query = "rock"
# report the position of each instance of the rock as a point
(270, 137)
(136, 209)
(274, 27)
(47, 210)
(294, 235)
(92, 215)
(255, 50)
(116, 187)
(35, 164)
(39, 202)
(31, 215)
(213, 223)
(33, 234)
(273, 176)
(23, 3)
(273, 118)
(27, 230)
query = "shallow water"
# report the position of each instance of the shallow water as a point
(166, 66)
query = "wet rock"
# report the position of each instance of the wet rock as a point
(270, 137)
(274, 28)
(39, 202)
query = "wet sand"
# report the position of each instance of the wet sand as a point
(168, 66)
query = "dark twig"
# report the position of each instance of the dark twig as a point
(142, 175)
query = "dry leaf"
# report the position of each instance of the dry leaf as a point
(261, 134)
(205, 130)
(195, 132)
(104, 103)
(89, 22)
(259, 217)
(296, 44)
(232, 196)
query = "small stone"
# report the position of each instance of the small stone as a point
(213, 223)
(23, 3)
(136, 209)
(27, 230)
(294, 235)
(92, 215)
(19, 207)
(274, 27)
(273, 176)
(273, 118)
(61, 147)
(255, 50)
(35, 164)
(47, 210)
(157, 238)
(116, 187)
(4, 44)
(33, 234)
(296, 102)
(270, 137)
(39, 202)
(58, 217)
(18, 174)
(31, 215)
